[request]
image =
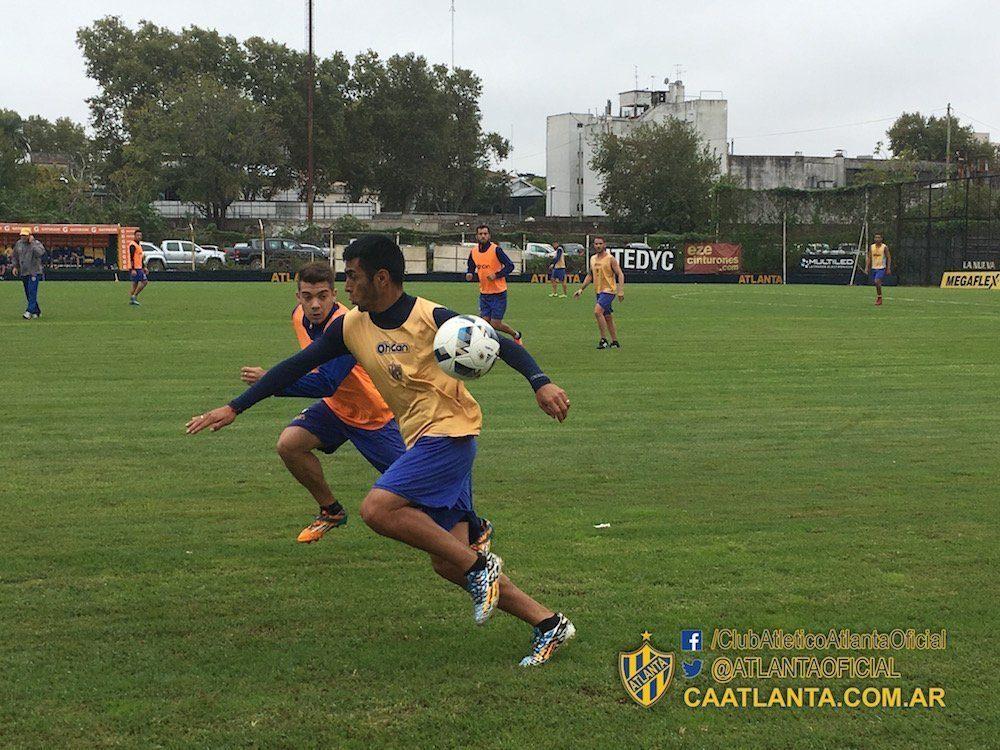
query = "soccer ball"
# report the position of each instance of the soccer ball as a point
(466, 347)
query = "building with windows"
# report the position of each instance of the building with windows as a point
(570, 141)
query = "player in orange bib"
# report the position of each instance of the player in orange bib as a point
(424, 499)
(349, 409)
(138, 274)
(489, 264)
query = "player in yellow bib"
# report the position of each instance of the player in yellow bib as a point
(424, 498)
(609, 281)
(878, 264)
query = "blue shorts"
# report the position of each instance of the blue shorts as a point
(139, 274)
(379, 447)
(559, 274)
(604, 299)
(435, 475)
(878, 274)
(493, 306)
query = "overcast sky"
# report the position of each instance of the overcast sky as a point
(799, 76)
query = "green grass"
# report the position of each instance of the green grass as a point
(766, 457)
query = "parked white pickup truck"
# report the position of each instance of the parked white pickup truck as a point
(177, 254)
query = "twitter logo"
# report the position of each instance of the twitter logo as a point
(693, 669)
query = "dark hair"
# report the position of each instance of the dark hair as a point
(375, 252)
(486, 227)
(316, 273)
(600, 237)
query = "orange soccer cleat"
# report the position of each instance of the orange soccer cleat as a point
(322, 524)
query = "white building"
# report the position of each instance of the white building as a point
(570, 140)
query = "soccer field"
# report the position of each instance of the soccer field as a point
(766, 457)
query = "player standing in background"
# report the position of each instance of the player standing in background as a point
(557, 271)
(491, 265)
(425, 498)
(28, 254)
(878, 263)
(609, 280)
(138, 274)
(350, 410)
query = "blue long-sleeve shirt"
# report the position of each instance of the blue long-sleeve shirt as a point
(503, 273)
(331, 345)
(328, 376)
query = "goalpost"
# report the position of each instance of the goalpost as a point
(862, 242)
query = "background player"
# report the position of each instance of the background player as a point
(425, 498)
(609, 280)
(491, 265)
(138, 274)
(878, 263)
(351, 408)
(557, 271)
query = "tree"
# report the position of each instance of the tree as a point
(915, 137)
(657, 178)
(63, 137)
(207, 140)
(417, 134)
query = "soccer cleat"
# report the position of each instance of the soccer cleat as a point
(544, 644)
(603, 344)
(485, 541)
(323, 523)
(553, 294)
(484, 587)
(27, 316)
(562, 296)
(134, 301)
(878, 301)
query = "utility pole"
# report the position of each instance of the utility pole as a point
(309, 119)
(453, 35)
(947, 147)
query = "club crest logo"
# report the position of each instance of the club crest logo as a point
(646, 673)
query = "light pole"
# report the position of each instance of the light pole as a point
(311, 75)
(552, 197)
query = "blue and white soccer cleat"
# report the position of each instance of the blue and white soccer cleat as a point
(544, 644)
(484, 587)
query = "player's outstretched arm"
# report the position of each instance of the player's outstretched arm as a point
(278, 378)
(586, 282)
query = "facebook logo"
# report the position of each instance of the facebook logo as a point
(691, 640)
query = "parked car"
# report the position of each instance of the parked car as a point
(212, 247)
(177, 254)
(278, 253)
(321, 253)
(573, 248)
(539, 250)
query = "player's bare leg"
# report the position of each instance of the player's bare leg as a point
(501, 326)
(512, 600)
(602, 326)
(564, 287)
(390, 515)
(555, 284)
(609, 320)
(550, 629)
(296, 446)
(878, 291)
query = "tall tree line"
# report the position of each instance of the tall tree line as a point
(216, 120)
